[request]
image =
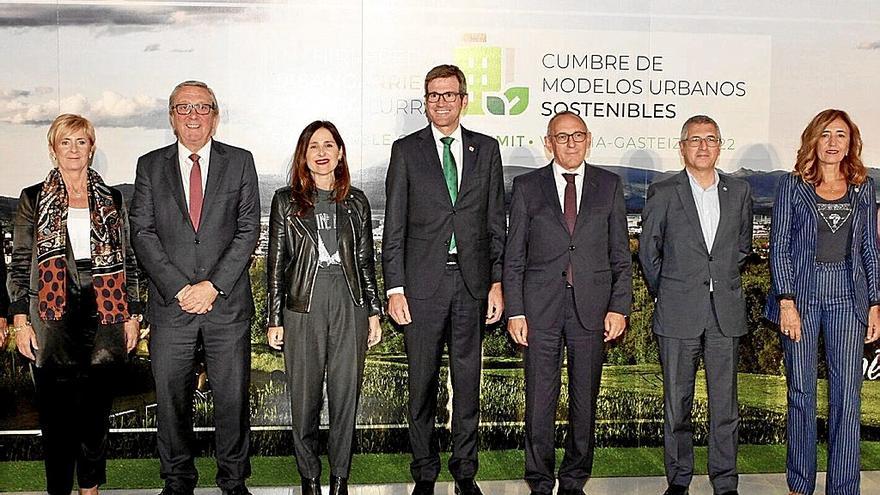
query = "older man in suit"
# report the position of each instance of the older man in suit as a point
(696, 234)
(567, 284)
(195, 220)
(441, 256)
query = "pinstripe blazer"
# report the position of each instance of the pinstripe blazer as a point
(793, 232)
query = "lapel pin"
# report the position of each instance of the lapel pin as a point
(471, 148)
(857, 189)
(724, 188)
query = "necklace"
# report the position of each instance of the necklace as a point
(76, 193)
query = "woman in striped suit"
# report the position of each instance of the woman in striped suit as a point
(825, 277)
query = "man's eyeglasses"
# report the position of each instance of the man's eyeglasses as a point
(187, 108)
(449, 96)
(563, 137)
(711, 141)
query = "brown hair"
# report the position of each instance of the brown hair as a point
(68, 123)
(851, 166)
(302, 185)
(699, 119)
(447, 70)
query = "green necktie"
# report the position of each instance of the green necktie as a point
(451, 175)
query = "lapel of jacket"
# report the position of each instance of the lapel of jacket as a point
(726, 209)
(589, 193)
(469, 154)
(433, 168)
(548, 186)
(855, 195)
(217, 167)
(686, 196)
(807, 194)
(171, 172)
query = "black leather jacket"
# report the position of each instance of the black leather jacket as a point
(293, 254)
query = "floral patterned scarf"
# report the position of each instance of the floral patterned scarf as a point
(108, 256)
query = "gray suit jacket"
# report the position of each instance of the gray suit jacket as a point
(173, 254)
(540, 249)
(678, 265)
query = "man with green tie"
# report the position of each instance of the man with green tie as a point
(442, 258)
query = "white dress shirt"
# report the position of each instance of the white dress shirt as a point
(186, 166)
(558, 170)
(455, 147)
(708, 209)
(79, 229)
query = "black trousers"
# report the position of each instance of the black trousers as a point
(331, 340)
(74, 395)
(74, 405)
(455, 318)
(228, 359)
(543, 363)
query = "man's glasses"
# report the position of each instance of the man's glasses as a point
(187, 108)
(448, 96)
(711, 141)
(563, 137)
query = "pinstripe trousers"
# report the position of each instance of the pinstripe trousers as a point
(831, 310)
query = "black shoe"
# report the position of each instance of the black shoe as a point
(311, 486)
(467, 487)
(731, 492)
(338, 485)
(423, 488)
(570, 491)
(676, 490)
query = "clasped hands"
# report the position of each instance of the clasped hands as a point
(197, 298)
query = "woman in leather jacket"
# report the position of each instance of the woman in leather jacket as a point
(73, 287)
(323, 301)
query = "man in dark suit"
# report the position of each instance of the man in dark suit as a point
(696, 234)
(567, 283)
(441, 257)
(195, 220)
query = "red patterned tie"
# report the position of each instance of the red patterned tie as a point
(570, 213)
(195, 192)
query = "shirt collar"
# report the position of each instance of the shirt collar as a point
(204, 153)
(456, 134)
(696, 185)
(558, 170)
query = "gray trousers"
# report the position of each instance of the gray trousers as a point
(680, 359)
(330, 339)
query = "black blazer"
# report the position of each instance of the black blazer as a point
(292, 263)
(23, 273)
(420, 218)
(539, 250)
(678, 265)
(173, 254)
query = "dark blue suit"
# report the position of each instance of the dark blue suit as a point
(832, 297)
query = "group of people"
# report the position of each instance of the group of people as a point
(560, 269)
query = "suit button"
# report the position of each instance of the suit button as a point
(710, 258)
(453, 212)
(564, 274)
(198, 241)
(571, 248)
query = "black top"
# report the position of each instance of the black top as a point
(325, 217)
(834, 221)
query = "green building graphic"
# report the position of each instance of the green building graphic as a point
(483, 66)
